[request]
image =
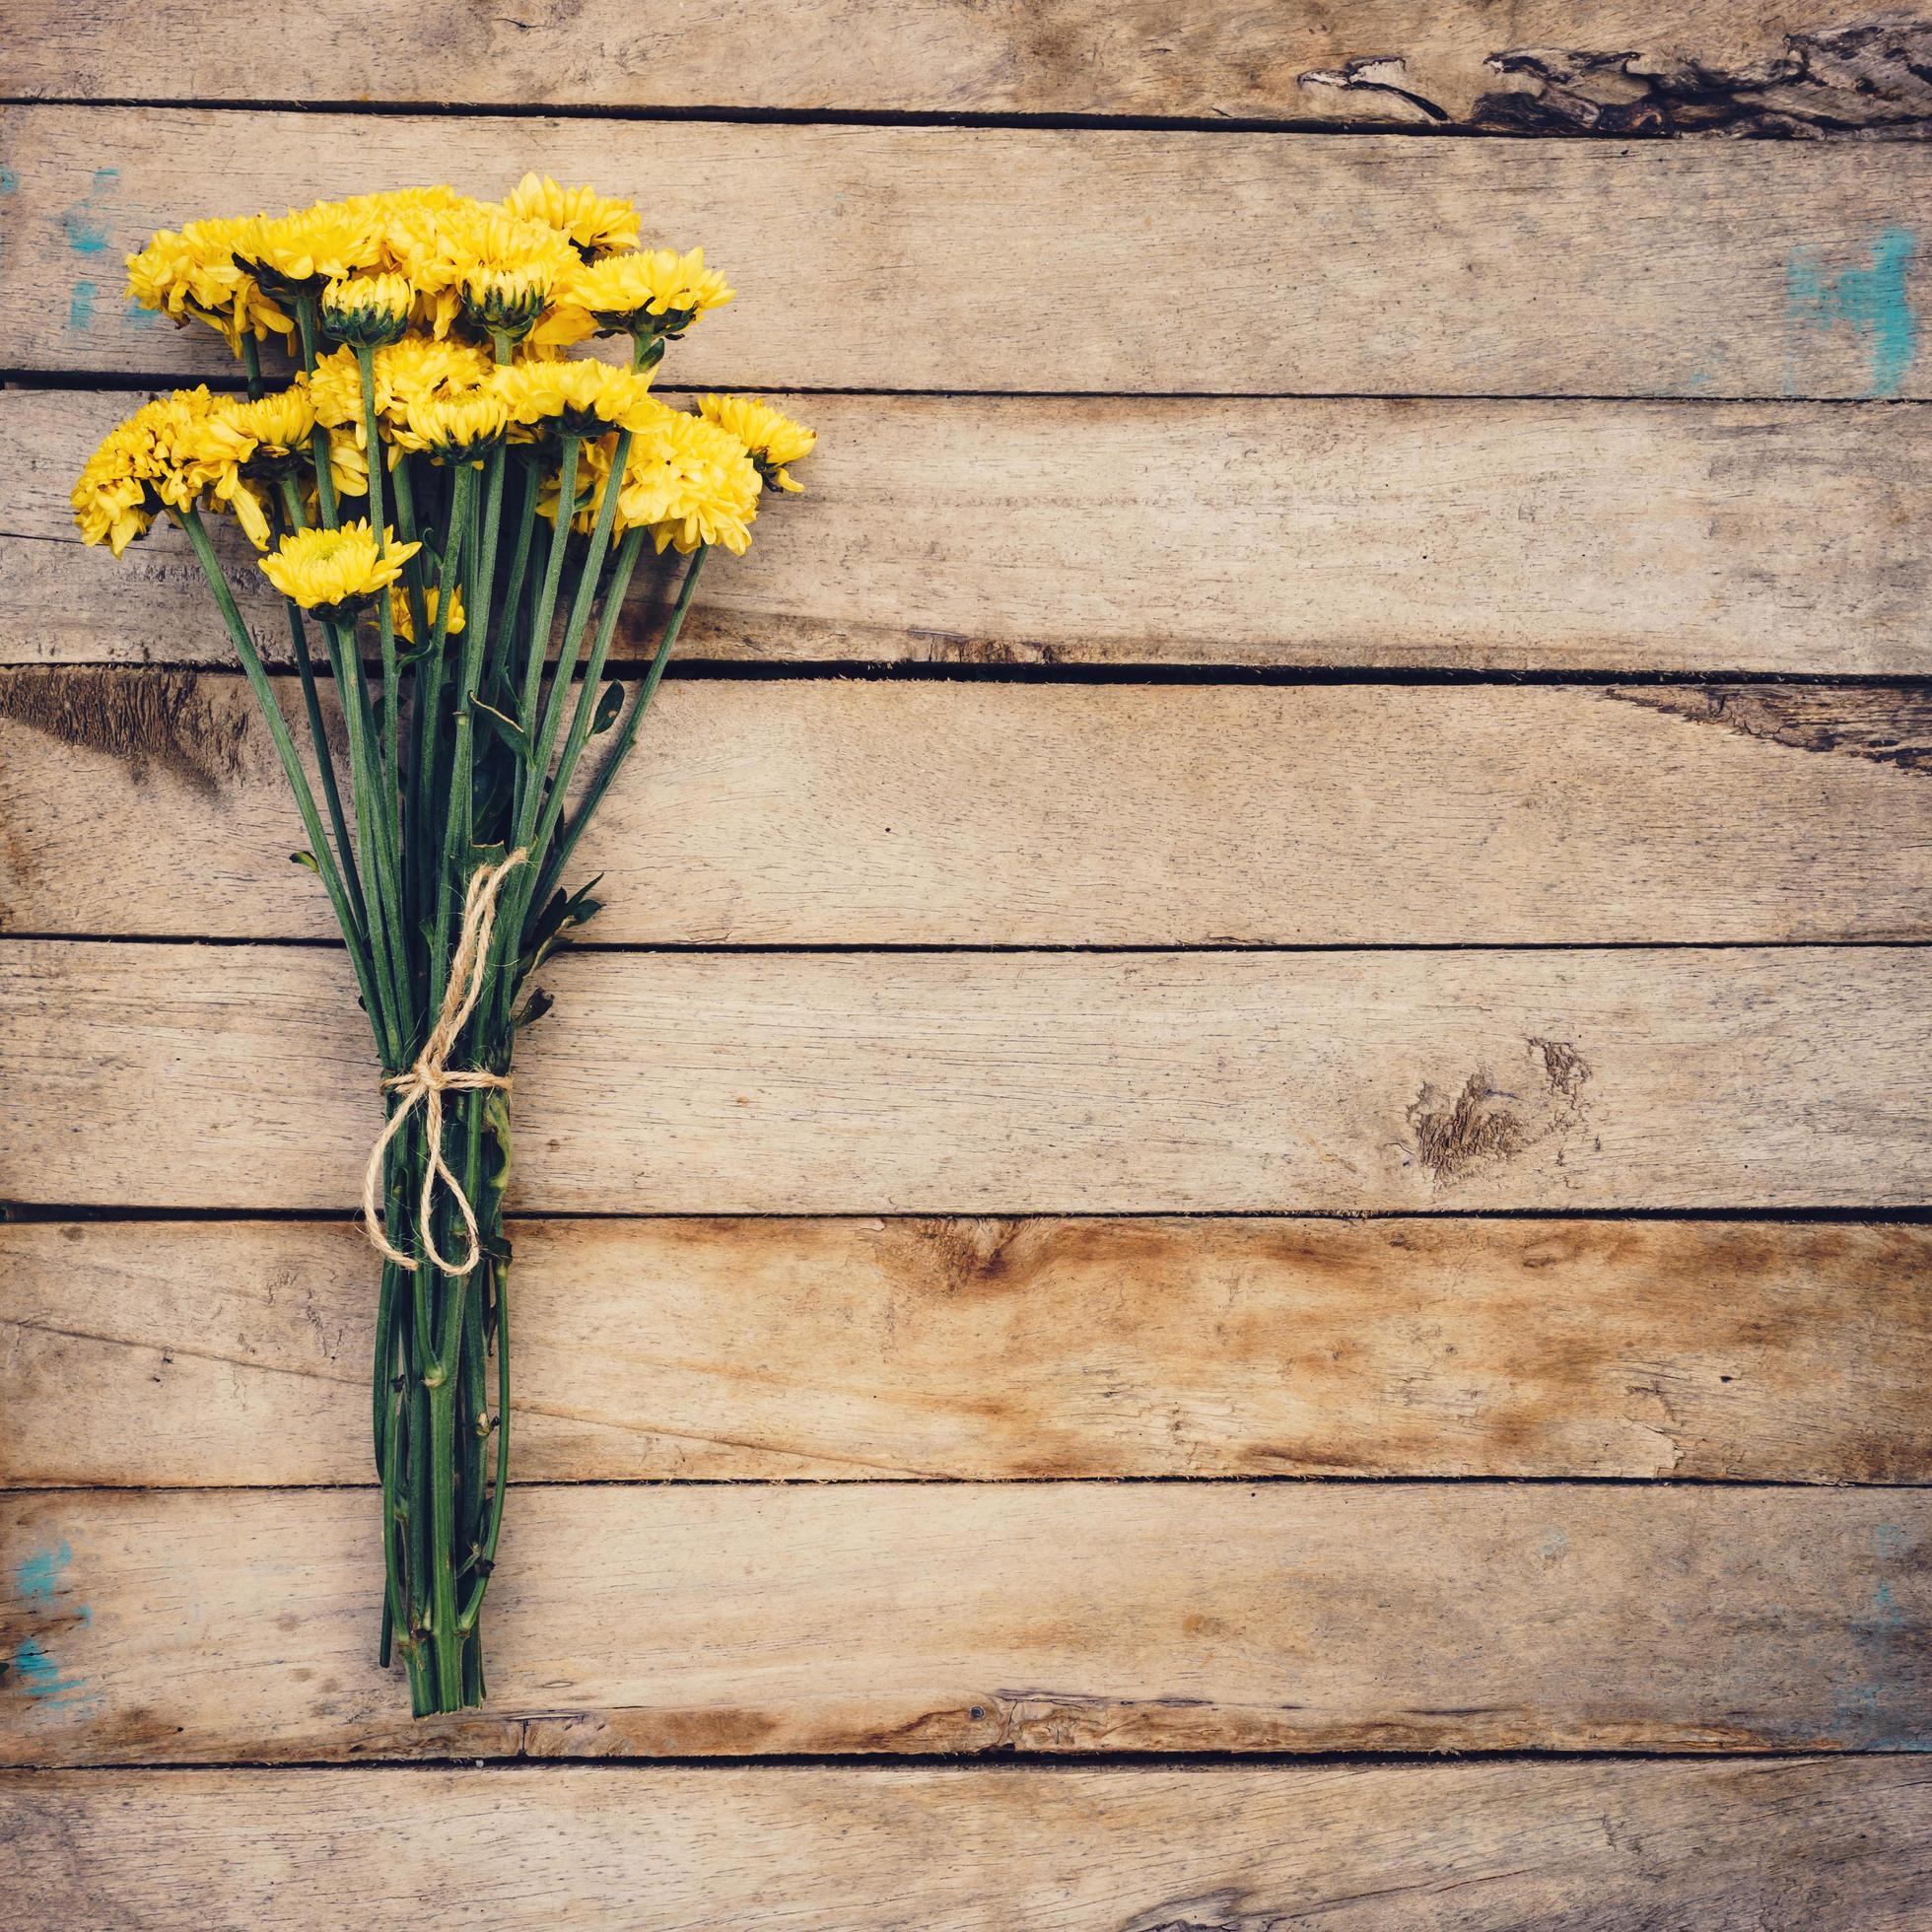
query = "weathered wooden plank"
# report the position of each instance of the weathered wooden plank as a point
(152, 802)
(169, 1626)
(1837, 1845)
(1140, 261)
(1689, 537)
(1629, 66)
(239, 1077)
(149, 1353)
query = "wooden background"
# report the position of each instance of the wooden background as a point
(1232, 1228)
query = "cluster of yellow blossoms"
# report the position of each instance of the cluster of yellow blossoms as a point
(568, 255)
(455, 315)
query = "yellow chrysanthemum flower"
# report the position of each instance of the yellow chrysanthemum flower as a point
(579, 398)
(348, 465)
(335, 571)
(404, 625)
(113, 503)
(502, 261)
(417, 366)
(596, 223)
(369, 310)
(335, 388)
(246, 500)
(689, 482)
(279, 422)
(770, 439)
(655, 293)
(193, 274)
(309, 245)
(454, 426)
(505, 301)
(178, 452)
(420, 365)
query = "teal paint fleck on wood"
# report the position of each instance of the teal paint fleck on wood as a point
(87, 234)
(80, 305)
(39, 1676)
(1874, 302)
(38, 1584)
(39, 1577)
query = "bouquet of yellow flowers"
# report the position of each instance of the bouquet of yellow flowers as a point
(504, 491)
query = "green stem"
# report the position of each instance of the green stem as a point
(445, 1640)
(627, 737)
(395, 1558)
(384, 623)
(580, 616)
(586, 701)
(455, 556)
(278, 730)
(416, 1475)
(513, 596)
(457, 830)
(364, 778)
(318, 731)
(547, 604)
(412, 570)
(305, 319)
(487, 1555)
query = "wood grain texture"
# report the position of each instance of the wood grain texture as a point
(211, 1353)
(1831, 1845)
(179, 1627)
(236, 1078)
(1630, 66)
(1529, 534)
(1084, 260)
(152, 802)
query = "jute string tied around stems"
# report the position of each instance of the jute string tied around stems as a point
(431, 1077)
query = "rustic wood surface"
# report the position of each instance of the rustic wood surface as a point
(1100, 260)
(1186, 391)
(1630, 66)
(802, 813)
(239, 1077)
(1765, 537)
(143, 1353)
(1832, 1845)
(177, 1627)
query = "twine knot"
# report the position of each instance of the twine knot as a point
(431, 1077)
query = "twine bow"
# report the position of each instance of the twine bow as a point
(430, 1078)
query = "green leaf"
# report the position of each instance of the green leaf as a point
(551, 919)
(491, 798)
(609, 707)
(507, 729)
(306, 859)
(533, 1009)
(495, 1120)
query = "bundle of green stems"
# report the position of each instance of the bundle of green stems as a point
(462, 753)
